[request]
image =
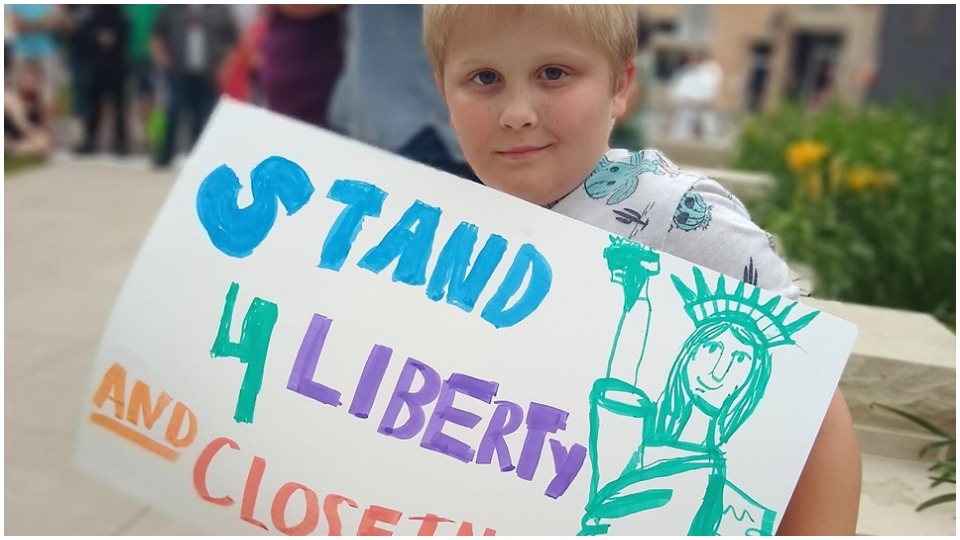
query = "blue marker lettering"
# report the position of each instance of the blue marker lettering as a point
(238, 231)
(452, 265)
(362, 200)
(410, 241)
(527, 258)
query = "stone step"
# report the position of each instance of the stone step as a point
(901, 359)
(698, 153)
(748, 186)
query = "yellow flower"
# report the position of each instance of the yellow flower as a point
(805, 154)
(864, 178)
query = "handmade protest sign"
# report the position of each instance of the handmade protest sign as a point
(320, 337)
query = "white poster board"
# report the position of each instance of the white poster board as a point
(320, 337)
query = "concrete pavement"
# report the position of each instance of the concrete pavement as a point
(72, 230)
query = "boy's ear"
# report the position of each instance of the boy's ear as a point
(437, 80)
(623, 89)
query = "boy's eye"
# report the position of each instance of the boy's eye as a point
(485, 77)
(554, 73)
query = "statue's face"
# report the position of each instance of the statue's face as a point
(719, 367)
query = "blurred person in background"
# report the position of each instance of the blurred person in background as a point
(9, 35)
(78, 65)
(103, 39)
(387, 96)
(244, 15)
(189, 46)
(36, 27)
(757, 78)
(24, 134)
(628, 130)
(301, 57)
(822, 89)
(693, 93)
(141, 18)
(241, 79)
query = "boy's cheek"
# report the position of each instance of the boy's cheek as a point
(470, 120)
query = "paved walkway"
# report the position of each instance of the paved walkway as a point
(73, 229)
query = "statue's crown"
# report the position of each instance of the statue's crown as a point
(705, 305)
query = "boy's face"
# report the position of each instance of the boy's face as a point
(532, 102)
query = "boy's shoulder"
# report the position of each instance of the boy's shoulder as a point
(617, 176)
(644, 189)
(647, 198)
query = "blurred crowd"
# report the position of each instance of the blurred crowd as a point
(144, 78)
(118, 78)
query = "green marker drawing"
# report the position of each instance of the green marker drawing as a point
(716, 382)
(251, 349)
(631, 266)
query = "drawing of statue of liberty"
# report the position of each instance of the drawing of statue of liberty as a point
(631, 266)
(716, 382)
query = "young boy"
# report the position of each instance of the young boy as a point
(533, 92)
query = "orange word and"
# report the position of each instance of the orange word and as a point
(373, 522)
(135, 414)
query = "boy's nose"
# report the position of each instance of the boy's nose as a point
(518, 112)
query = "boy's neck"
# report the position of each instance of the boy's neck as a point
(549, 206)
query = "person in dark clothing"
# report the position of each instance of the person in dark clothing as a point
(190, 46)
(301, 58)
(103, 39)
(77, 62)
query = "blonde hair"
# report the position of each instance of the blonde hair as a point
(612, 27)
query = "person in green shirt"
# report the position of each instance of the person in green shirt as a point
(149, 117)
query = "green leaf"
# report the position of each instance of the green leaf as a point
(945, 498)
(916, 420)
(935, 445)
(941, 480)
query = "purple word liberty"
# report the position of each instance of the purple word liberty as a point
(428, 400)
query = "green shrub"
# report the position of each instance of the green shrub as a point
(945, 469)
(866, 197)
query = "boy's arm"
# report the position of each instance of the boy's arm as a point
(826, 500)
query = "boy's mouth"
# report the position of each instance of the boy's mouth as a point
(522, 152)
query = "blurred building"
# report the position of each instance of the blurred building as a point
(771, 52)
(917, 53)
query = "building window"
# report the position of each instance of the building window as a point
(695, 24)
(666, 27)
(668, 61)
